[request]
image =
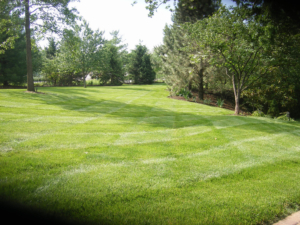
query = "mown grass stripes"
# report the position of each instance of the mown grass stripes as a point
(130, 155)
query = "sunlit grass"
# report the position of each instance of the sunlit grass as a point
(130, 155)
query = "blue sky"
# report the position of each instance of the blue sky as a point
(132, 21)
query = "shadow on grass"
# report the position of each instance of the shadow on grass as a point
(17, 213)
(76, 99)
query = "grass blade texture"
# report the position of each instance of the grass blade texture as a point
(130, 155)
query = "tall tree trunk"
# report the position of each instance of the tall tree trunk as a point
(200, 74)
(201, 90)
(84, 82)
(237, 105)
(30, 85)
(237, 91)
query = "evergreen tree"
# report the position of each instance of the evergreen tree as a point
(175, 60)
(13, 63)
(147, 71)
(140, 67)
(191, 11)
(112, 68)
(180, 70)
(51, 50)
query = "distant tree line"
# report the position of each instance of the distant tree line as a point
(78, 52)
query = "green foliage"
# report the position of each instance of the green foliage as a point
(284, 117)
(81, 50)
(140, 67)
(220, 102)
(258, 113)
(235, 41)
(273, 108)
(50, 15)
(183, 92)
(175, 61)
(51, 50)
(112, 69)
(191, 11)
(207, 101)
(13, 61)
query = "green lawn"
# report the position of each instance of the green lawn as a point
(130, 155)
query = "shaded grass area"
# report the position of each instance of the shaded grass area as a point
(129, 155)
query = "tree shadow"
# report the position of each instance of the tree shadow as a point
(77, 100)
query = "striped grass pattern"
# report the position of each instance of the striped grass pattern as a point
(130, 155)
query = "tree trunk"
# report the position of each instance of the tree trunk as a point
(237, 91)
(190, 86)
(201, 90)
(30, 85)
(84, 82)
(237, 105)
(201, 83)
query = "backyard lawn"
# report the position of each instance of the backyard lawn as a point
(130, 155)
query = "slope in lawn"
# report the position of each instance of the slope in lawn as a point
(129, 155)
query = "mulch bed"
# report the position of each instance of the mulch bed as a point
(227, 104)
(12, 87)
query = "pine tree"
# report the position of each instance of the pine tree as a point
(140, 68)
(180, 70)
(175, 60)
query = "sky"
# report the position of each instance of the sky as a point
(132, 22)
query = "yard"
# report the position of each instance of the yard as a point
(130, 155)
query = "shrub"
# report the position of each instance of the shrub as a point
(284, 117)
(207, 101)
(184, 93)
(220, 103)
(258, 113)
(186, 96)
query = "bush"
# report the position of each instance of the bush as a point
(258, 113)
(186, 96)
(220, 103)
(207, 101)
(184, 93)
(284, 117)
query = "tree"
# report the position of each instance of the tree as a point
(51, 50)
(82, 47)
(237, 43)
(176, 64)
(50, 12)
(192, 8)
(13, 62)
(191, 11)
(283, 14)
(112, 65)
(140, 67)
(8, 31)
(114, 60)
